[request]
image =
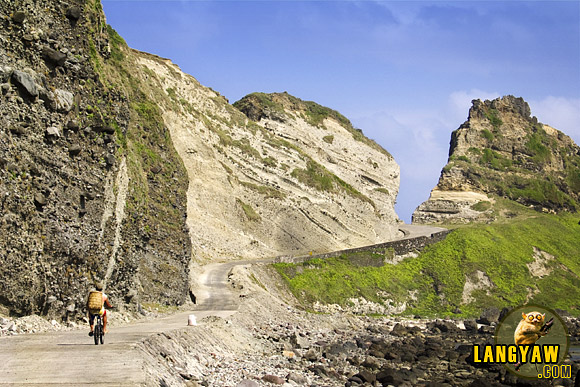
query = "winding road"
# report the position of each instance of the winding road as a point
(70, 357)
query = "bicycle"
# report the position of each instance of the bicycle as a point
(98, 332)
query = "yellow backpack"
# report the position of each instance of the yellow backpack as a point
(95, 302)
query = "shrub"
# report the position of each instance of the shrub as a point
(481, 206)
(493, 117)
(487, 135)
(535, 146)
(328, 139)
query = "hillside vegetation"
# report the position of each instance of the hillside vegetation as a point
(523, 257)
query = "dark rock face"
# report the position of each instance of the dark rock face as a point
(58, 228)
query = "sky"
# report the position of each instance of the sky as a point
(404, 72)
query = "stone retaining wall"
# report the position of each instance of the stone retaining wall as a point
(400, 247)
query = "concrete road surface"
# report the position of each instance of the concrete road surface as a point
(72, 359)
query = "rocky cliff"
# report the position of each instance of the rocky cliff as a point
(91, 186)
(502, 151)
(276, 182)
(117, 166)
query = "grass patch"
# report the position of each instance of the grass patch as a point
(328, 139)
(494, 160)
(250, 213)
(318, 177)
(279, 105)
(116, 42)
(267, 192)
(538, 147)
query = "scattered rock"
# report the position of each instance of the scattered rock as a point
(110, 160)
(299, 379)
(18, 17)
(273, 379)
(399, 330)
(5, 73)
(489, 316)
(53, 131)
(74, 149)
(40, 200)
(55, 57)
(72, 125)
(26, 81)
(62, 100)
(470, 325)
(17, 129)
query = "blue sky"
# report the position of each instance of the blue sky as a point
(403, 72)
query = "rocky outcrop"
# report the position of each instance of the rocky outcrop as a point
(502, 151)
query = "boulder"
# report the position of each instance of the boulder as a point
(53, 56)
(62, 100)
(399, 330)
(73, 13)
(443, 326)
(371, 363)
(489, 316)
(26, 81)
(366, 376)
(74, 149)
(18, 17)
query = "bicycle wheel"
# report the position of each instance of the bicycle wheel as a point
(102, 335)
(96, 334)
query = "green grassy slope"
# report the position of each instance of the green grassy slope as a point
(502, 250)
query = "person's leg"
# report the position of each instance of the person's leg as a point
(105, 322)
(91, 323)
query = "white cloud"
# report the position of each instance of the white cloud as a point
(559, 112)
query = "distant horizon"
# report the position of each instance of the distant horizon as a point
(403, 72)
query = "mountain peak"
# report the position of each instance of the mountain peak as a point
(503, 151)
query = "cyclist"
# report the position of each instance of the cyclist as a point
(102, 312)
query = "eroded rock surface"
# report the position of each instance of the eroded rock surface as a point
(501, 150)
